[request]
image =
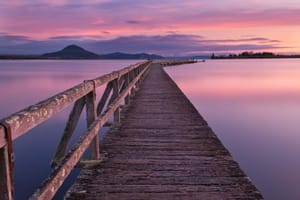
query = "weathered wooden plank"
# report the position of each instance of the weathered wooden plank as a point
(145, 171)
(153, 195)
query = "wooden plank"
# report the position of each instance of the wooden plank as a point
(68, 131)
(157, 195)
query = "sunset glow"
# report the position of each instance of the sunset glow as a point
(99, 25)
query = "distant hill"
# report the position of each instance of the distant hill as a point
(119, 55)
(71, 52)
(76, 52)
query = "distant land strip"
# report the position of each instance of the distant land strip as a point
(249, 55)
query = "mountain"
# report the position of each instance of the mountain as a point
(76, 52)
(71, 52)
(119, 55)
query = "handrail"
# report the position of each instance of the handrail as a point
(26, 119)
(120, 83)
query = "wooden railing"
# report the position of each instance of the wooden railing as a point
(177, 62)
(120, 85)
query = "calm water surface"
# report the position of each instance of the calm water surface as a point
(252, 105)
(254, 108)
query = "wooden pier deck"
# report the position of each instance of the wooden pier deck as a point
(163, 149)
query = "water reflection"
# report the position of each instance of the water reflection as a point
(23, 83)
(254, 107)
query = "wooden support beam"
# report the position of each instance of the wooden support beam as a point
(68, 131)
(131, 77)
(91, 116)
(6, 185)
(127, 98)
(104, 98)
(122, 83)
(2, 137)
(116, 92)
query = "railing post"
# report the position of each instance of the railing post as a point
(127, 98)
(116, 93)
(131, 77)
(5, 178)
(91, 113)
(137, 72)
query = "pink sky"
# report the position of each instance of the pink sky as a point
(212, 26)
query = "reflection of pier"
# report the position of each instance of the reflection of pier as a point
(159, 146)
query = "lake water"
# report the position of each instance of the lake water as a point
(252, 105)
(254, 108)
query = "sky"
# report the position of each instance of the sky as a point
(165, 27)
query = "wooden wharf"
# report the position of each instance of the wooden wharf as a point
(163, 149)
(159, 146)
